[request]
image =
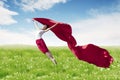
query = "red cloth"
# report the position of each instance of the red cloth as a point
(41, 45)
(93, 54)
(61, 30)
(89, 53)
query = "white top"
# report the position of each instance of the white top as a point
(39, 34)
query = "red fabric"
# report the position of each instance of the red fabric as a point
(61, 30)
(93, 54)
(41, 45)
(89, 53)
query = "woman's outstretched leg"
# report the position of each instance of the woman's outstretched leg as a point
(43, 48)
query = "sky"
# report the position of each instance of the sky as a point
(92, 21)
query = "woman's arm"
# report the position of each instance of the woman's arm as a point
(36, 25)
(51, 27)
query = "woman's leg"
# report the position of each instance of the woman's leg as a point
(43, 48)
(41, 45)
(51, 57)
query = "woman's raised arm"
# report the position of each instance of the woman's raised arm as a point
(36, 25)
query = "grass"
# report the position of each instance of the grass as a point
(28, 63)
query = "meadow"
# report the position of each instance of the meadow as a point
(28, 63)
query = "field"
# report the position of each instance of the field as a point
(28, 63)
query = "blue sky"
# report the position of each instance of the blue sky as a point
(92, 21)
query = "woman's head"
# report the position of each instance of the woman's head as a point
(44, 27)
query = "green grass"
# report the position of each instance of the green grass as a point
(28, 63)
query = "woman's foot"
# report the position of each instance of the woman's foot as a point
(54, 61)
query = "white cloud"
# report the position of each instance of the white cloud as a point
(31, 5)
(1, 3)
(101, 28)
(114, 7)
(28, 38)
(6, 15)
(104, 29)
(8, 37)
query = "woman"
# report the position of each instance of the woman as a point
(89, 53)
(40, 42)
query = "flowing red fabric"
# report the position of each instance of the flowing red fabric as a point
(89, 53)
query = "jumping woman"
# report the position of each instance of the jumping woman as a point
(40, 42)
